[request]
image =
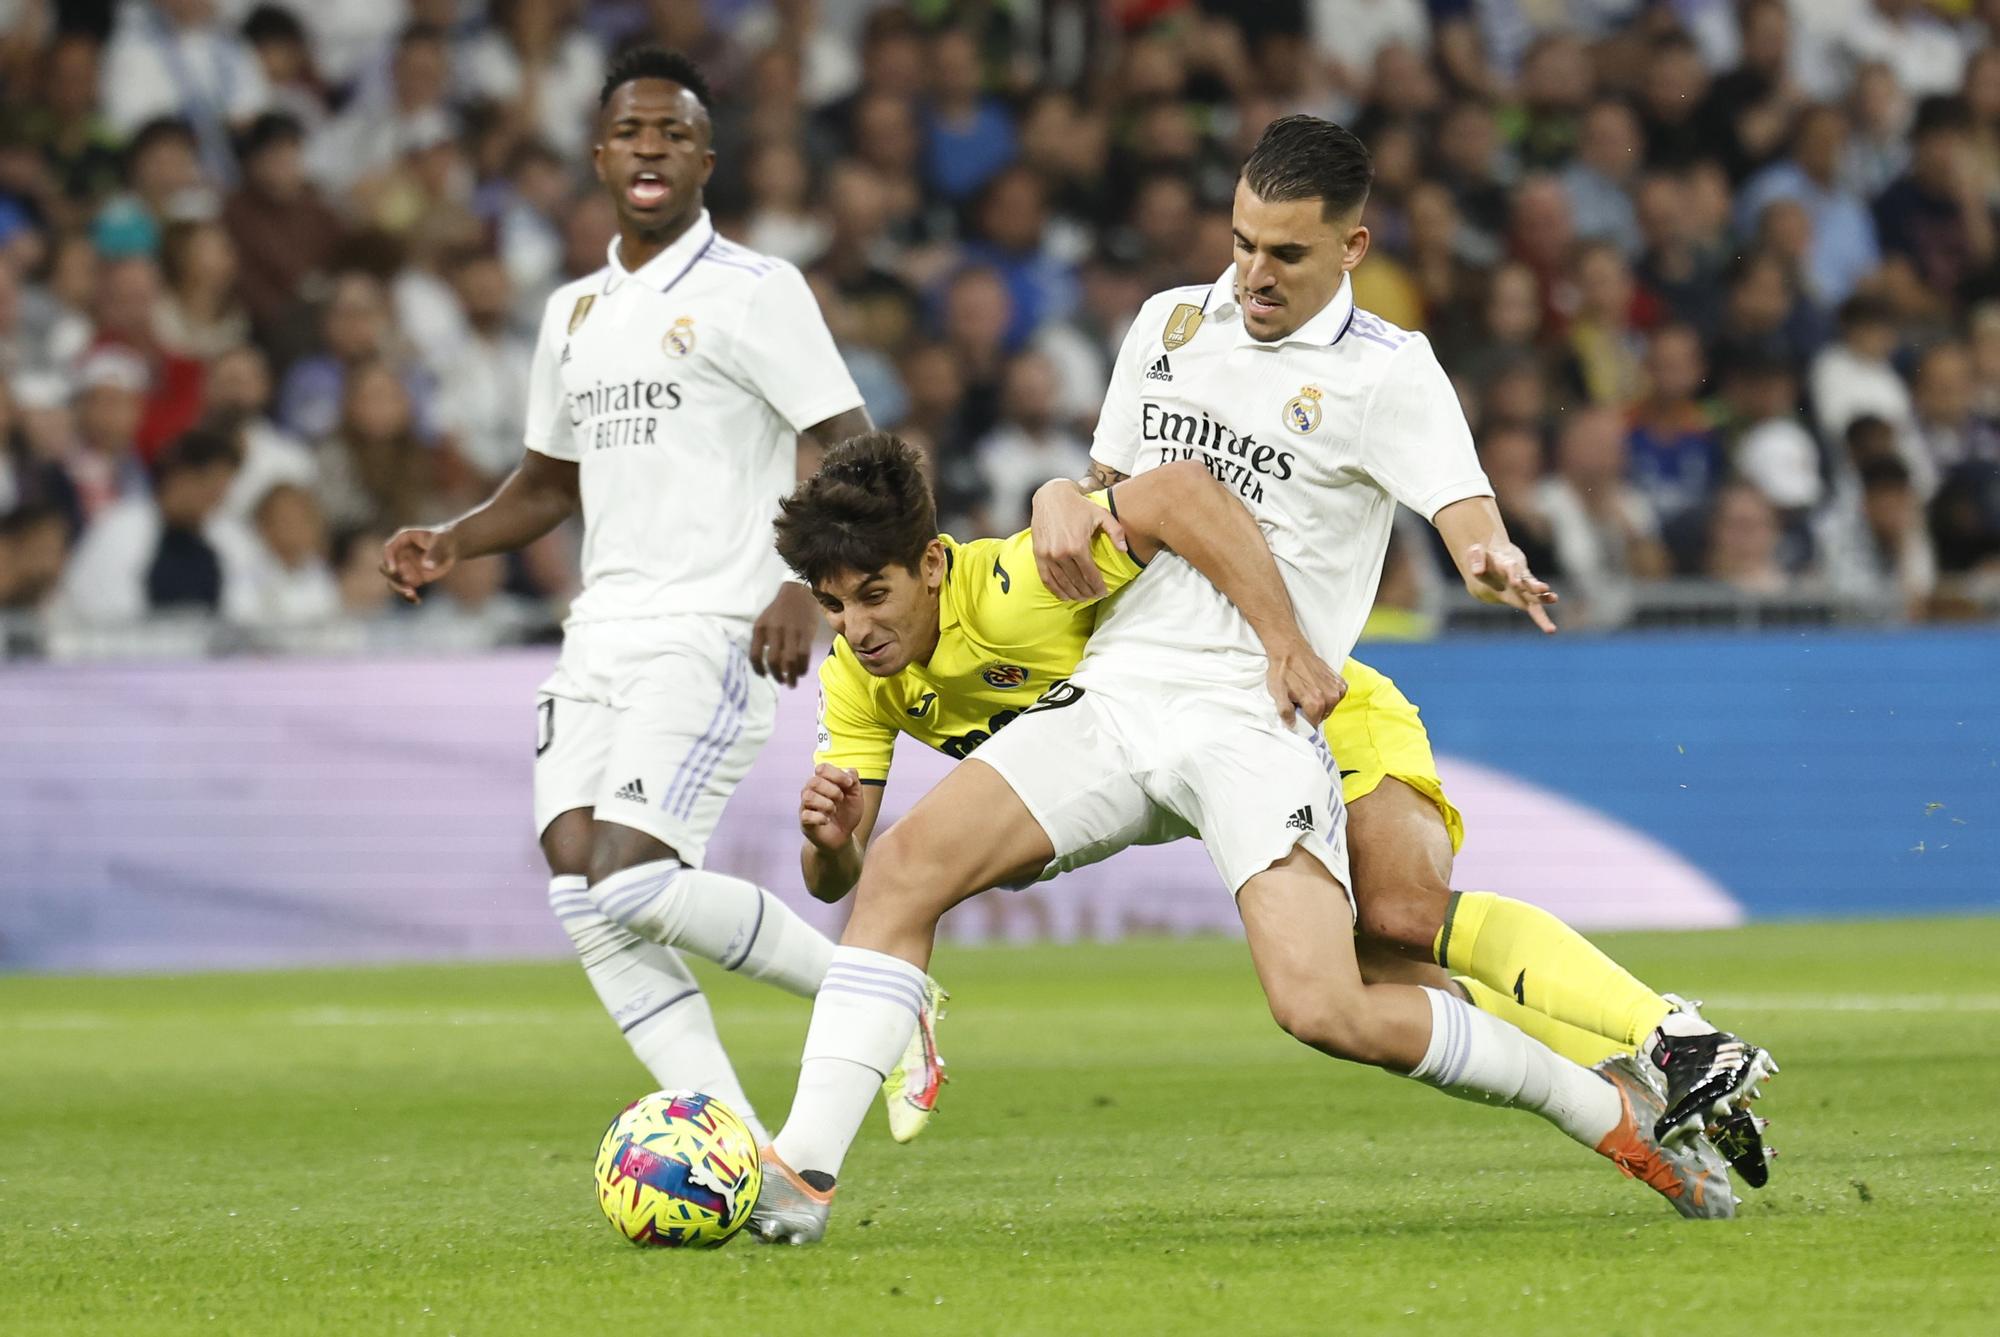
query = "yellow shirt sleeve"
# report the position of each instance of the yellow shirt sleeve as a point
(851, 733)
(1016, 608)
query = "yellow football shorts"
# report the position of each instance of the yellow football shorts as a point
(1375, 733)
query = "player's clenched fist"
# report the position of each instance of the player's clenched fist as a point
(413, 558)
(830, 806)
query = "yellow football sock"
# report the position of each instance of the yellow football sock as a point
(1546, 965)
(1572, 1042)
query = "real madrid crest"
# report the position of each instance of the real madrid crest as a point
(679, 338)
(580, 310)
(1181, 325)
(1302, 410)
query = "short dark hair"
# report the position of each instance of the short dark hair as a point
(269, 130)
(655, 62)
(868, 506)
(197, 448)
(1305, 158)
(272, 23)
(1940, 113)
(1884, 471)
(159, 130)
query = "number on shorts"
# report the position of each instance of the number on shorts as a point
(545, 722)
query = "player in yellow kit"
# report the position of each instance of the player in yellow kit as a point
(951, 641)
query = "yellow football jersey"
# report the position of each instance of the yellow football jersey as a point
(1002, 639)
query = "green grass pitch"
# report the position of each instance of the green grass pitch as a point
(1129, 1146)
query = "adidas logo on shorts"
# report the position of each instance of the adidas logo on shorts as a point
(1302, 820)
(1160, 371)
(633, 790)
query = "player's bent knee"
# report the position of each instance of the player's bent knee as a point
(566, 843)
(1407, 917)
(1326, 1020)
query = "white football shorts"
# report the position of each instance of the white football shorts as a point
(1121, 762)
(651, 723)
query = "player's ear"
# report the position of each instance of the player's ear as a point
(1356, 246)
(597, 158)
(933, 566)
(707, 165)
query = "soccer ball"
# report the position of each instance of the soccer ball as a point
(678, 1170)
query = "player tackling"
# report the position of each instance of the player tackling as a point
(1321, 418)
(666, 399)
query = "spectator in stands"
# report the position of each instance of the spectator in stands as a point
(106, 467)
(1935, 227)
(1743, 543)
(1768, 446)
(1880, 148)
(881, 303)
(164, 180)
(1844, 250)
(373, 470)
(1083, 347)
(66, 127)
(354, 329)
(1676, 451)
(1766, 314)
(936, 425)
(1556, 85)
(480, 404)
(1855, 377)
(1941, 391)
(1513, 460)
(1604, 348)
(167, 549)
(34, 542)
(976, 319)
(1965, 524)
(1604, 533)
(1681, 263)
(357, 566)
(538, 64)
(126, 315)
(1880, 553)
(239, 401)
(371, 132)
(968, 136)
(1610, 154)
(1030, 445)
(1011, 220)
(294, 580)
(284, 233)
(1925, 54)
(199, 314)
(1672, 93)
(524, 212)
(782, 220)
(1750, 110)
(1472, 163)
(176, 58)
(284, 54)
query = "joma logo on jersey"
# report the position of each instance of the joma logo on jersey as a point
(1235, 460)
(1004, 675)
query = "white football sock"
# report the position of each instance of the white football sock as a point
(866, 1012)
(655, 1001)
(734, 923)
(1477, 1057)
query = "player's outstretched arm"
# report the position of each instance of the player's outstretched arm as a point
(539, 495)
(837, 814)
(1495, 570)
(1181, 507)
(1065, 526)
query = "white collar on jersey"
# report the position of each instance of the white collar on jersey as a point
(1326, 328)
(667, 268)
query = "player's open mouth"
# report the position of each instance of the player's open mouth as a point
(648, 190)
(1261, 306)
(874, 655)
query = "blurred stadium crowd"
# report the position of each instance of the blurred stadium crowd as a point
(1719, 281)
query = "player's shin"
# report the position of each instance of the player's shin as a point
(1522, 950)
(657, 1004)
(865, 1013)
(736, 924)
(1480, 1058)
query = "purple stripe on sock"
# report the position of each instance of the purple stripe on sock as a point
(831, 987)
(755, 929)
(625, 901)
(628, 1027)
(906, 997)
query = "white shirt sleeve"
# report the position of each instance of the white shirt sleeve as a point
(1115, 443)
(548, 429)
(1414, 439)
(785, 354)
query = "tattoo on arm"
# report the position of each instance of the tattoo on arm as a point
(1102, 475)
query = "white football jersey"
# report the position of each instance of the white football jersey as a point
(1320, 435)
(680, 390)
